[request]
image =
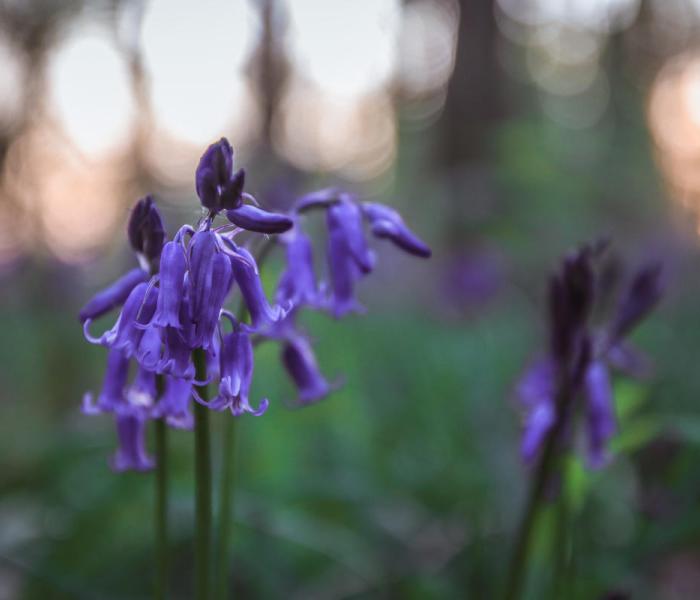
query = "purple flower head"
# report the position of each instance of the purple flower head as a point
(571, 295)
(536, 391)
(246, 274)
(218, 187)
(348, 256)
(141, 394)
(112, 296)
(138, 310)
(600, 412)
(210, 282)
(111, 398)
(236, 376)
(299, 361)
(131, 454)
(174, 404)
(146, 230)
(577, 370)
(171, 287)
(643, 293)
(297, 284)
(177, 355)
(387, 223)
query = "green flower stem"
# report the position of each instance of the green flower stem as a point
(161, 509)
(548, 460)
(202, 484)
(562, 544)
(225, 507)
(228, 461)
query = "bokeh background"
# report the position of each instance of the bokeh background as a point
(506, 131)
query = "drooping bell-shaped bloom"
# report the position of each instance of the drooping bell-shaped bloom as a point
(112, 296)
(205, 322)
(218, 187)
(174, 404)
(146, 231)
(209, 283)
(300, 362)
(345, 218)
(580, 357)
(171, 287)
(643, 293)
(141, 394)
(343, 271)
(148, 352)
(600, 412)
(177, 355)
(131, 454)
(247, 277)
(252, 218)
(111, 397)
(297, 284)
(571, 296)
(536, 391)
(138, 311)
(387, 223)
(237, 376)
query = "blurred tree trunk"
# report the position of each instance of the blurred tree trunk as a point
(474, 104)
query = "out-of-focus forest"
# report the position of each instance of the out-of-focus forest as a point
(506, 132)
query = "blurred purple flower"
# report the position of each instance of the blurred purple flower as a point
(580, 358)
(131, 454)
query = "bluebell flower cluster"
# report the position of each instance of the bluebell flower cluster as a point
(349, 258)
(574, 376)
(174, 303)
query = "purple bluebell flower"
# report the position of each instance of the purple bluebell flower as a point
(177, 355)
(644, 292)
(298, 284)
(600, 412)
(247, 277)
(252, 218)
(174, 404)
(111, 398)
(146, 231)
(171, 285)
(300, 362)
(577, 368)
(536, 391)
(141, 394)
(387, 223)
(112, 296)
(236, 376)
(218, 187)
(131, 454)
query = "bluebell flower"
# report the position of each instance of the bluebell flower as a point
(111, 398)
(112, 296)
(146, 231)
(236, 376)
(220, 188)
(131, 454)
(174, 404)
(298, 284)
(171, 285)
(300, 362)
(387, 223)
(247, 277)
(575, 374)
(349, 256)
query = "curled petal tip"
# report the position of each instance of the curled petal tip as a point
(253, 218)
